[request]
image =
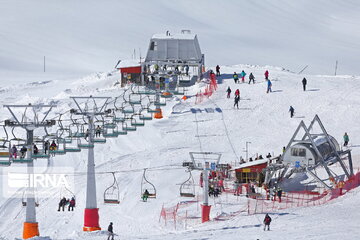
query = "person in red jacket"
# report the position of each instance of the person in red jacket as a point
(237, 92)
(266, 74)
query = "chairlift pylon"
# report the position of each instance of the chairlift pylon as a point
(23, 200)
(112, 193)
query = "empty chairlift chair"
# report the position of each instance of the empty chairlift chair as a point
(146, 185)
(112, 193)
(187, 188)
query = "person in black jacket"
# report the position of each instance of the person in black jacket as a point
(304, 82)
(62, 204)
(251, 78)
(267, 221)
(110, 231)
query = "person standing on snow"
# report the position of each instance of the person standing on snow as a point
(235, 77)
(243, 74)
(237, 99)
(269, 85)
(251, 78)
(346, 139)
(291, 110)
(217, 70)
(304, 82)
(228, 92)
(267, 221)
(237, 92)
(110, 232)
(266, 75)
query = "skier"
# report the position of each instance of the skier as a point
(283, 149)
(217, 70)
(291, 110)
(98, 131)
(346, 139)
(235, 77)
(304, 82)
(36, 150)
(71, 204)
(87, 134)
(23, 151)
(267, 221)
(237, 93)
(46, 146)
(187, 70)
(251, 78)
(279, 193)
(237, 99)
(269, 85)
(53, 147)
(110, 232)
(13, 152)
(266, 75)
(243, 74)
(145, 195)
(228, 92)
(62, 204)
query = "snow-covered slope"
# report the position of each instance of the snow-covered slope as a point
(162, 146)
(80, 37)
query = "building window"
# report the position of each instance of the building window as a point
(298, 152)
(153, 46)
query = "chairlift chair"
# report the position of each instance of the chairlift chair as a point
(127, 128)
(112, 193)
(126, 108)
(135, 99)
(111, 132)
(23, 200)
(39, 142)
(136, 121)
(146, 185)
(187, 188)
(73, 146)
(4, 156)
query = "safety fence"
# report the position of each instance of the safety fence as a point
(301, 199)
(209, 89)
(180, 216)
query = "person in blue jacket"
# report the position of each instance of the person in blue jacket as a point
(269, 85)
(243, 74)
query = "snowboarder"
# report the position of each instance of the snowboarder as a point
(243, 74)
(228, 92)
(62, 204)
(98, 131)
(346, 139)
(71, 204)
(35, 148)
(110, 232)
(269, 85)
(235, 77)
(217, 70)
(291, 110)
(304, 82)
(266, 75)
(145, 195)
(23, 151)
(267, 221)
(236, 101)
(13, 152)
(251, 78)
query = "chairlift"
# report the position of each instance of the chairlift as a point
(134, 99)
(129, 109)
(4, 154)
(73, 146)
(39, 143)
(145, 116)
(112, 193)
(23, 200)
(146, 185)
(127, 128)
(137, 121)
(65, 192)
(187, 188)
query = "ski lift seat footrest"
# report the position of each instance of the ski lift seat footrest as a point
(86, 145)
(22, 160)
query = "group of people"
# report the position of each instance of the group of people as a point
(47, 146)
(63, 202)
